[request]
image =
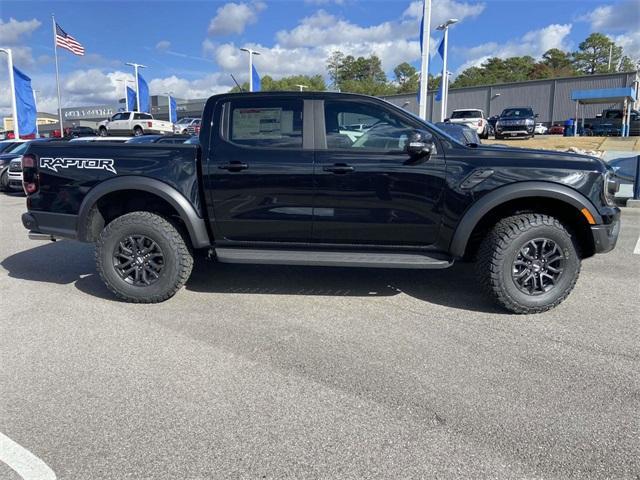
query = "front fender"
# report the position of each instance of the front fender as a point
(510, 192)
(195, 225)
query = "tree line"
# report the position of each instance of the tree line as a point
(596, 54)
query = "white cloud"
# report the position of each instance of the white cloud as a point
(234, 18)
(13, 31)
(533, 43)
(163, 45)
(200, 88)
(443, 10)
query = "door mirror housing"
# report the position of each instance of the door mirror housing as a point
(420, 144)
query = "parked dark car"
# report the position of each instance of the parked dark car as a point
(462, 133)
(277, 179)
(516, 122)
(18, 149)
(7, 145)
(609, 123)
(75, 132)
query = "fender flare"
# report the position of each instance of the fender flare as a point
(196, 226)
(512, 192)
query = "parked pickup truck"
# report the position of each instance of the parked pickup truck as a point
(133, 123)
(473, 118)
(274, 181)
(610, 123)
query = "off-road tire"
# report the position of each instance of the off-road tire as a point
(500, 248)
(178, 258)
(137, 131)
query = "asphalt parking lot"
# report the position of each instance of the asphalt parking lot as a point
(287, 372)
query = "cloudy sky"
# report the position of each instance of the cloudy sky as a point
(191, 47)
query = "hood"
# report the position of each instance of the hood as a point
(9, 156)
(544, 157)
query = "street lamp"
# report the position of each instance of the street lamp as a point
(136, 66)
(302, 87)
(14, 107)
(251, 54)
(35, 102)
(168, 94)
(445, 85)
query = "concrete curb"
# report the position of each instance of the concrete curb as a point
(631, 203)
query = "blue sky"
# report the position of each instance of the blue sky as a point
(191, 47)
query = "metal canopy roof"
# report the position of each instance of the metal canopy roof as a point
(604, 95)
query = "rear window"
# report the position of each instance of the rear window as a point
(142, 116)
(466, 114)
(266, 123)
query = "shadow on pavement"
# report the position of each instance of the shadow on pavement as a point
(67, 262)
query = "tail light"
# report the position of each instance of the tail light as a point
(149, 124)
(30, 180)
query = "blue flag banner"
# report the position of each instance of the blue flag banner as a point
(25, 103)
(439, 92)
(441, 49)
(256, 79)
(173, 111)
(131, 99)
(143, 90)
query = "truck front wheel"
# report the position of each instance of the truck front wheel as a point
(143, 258)
(529, 263)
(103, 131)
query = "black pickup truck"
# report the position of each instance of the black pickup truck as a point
(279, 178)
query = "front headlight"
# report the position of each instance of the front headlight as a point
(610, 187)
(528, 121)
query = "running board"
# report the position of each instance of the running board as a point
(332, 259)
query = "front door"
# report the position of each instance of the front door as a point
(368, 189)
(260, 176)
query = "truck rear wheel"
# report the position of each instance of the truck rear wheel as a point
(143, 258)
(528, 263)
(137, 131)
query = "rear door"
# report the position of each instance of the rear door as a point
(368, 189)
(260, 176)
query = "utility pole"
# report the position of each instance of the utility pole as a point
(14, 107)
(251, 54)
(136, 66)
(424, 66)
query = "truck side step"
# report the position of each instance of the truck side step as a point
(332, 259)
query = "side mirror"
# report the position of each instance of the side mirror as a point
(446, 120)
(420, 144)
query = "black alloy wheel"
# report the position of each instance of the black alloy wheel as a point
(538, 266)
(138, 260)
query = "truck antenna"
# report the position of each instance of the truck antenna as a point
(234, 79)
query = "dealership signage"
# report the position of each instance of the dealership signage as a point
(86, 113)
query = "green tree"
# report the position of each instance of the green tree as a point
(593, 55)
(358, 74)
(285, 84)
(407, 78)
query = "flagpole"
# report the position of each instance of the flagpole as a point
(251, 54)
(55, 54)
(135, 72)
(14, 106)
(424, 67)
(35, 101)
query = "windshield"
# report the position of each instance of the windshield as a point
(182, 121)
(517, 112)
(193, 141)
(466, 114)
(20, 149)
(144, 139)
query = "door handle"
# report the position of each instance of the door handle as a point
(339, 168)
(234, 166)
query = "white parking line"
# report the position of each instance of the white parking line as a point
(637, 249)
(23, 462)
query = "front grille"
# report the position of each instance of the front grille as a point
(513, 128)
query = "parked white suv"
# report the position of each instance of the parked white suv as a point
(185, 125)
(473, 118)
(133, 123)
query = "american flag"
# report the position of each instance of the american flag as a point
(64, 40)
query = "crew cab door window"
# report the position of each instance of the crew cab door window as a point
(266, 123)
(260, 178)
(368, 189)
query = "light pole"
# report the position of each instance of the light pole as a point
(445, 83)
(251, 54)
(302, 87)
(35, 102)
(424, 65)
(126, 97)
(14, 107)
(136, 66)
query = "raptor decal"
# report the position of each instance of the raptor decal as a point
(85, 163)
